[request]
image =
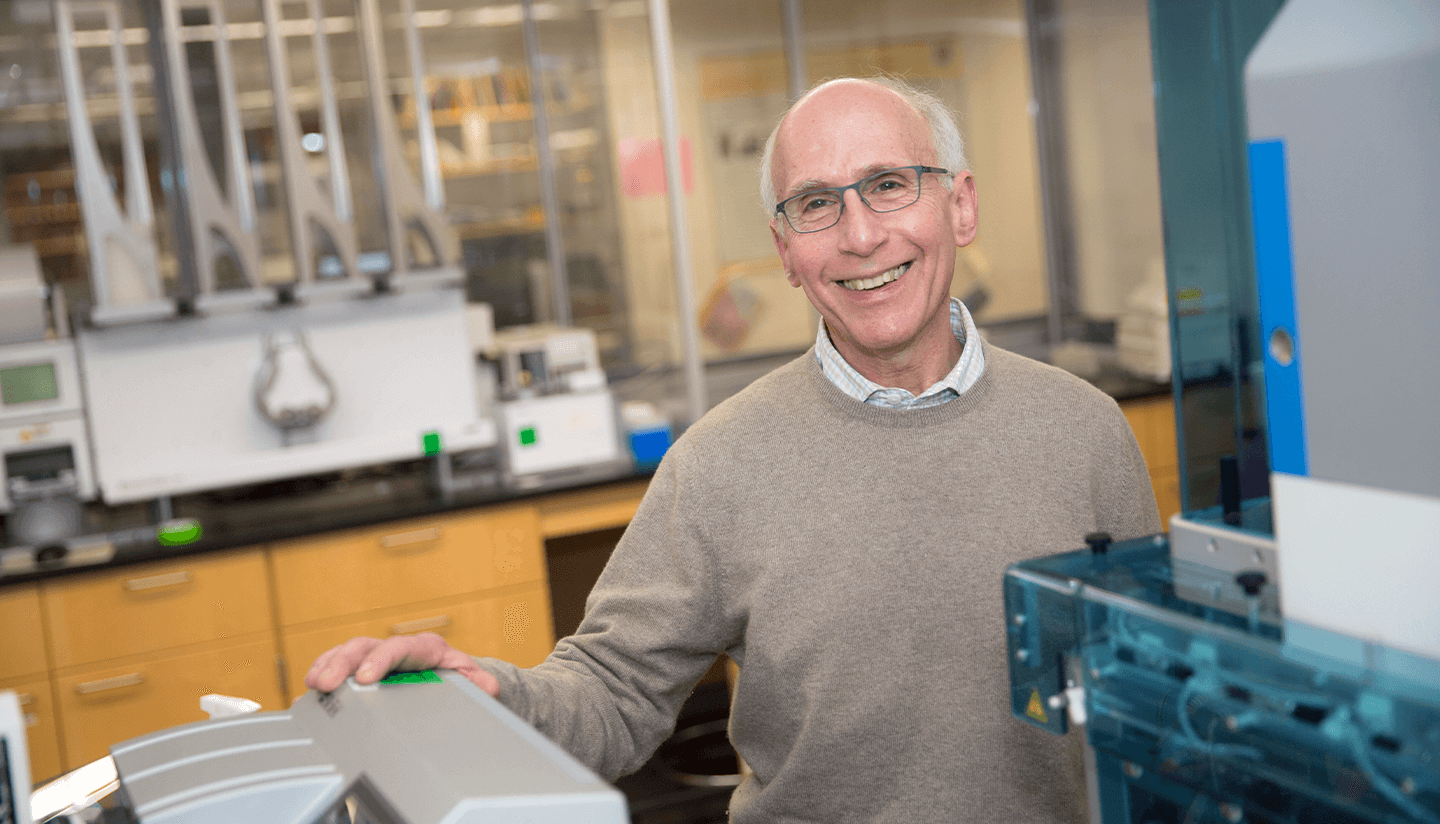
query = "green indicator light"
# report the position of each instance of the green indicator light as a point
(422, 677)
(431, 440)
(179, 532)
(527, 436)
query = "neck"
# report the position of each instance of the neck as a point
(914, 368)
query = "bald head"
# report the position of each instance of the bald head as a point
(879, 94)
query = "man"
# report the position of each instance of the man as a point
(840, 527)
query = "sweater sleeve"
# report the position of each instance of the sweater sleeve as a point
(609, 694)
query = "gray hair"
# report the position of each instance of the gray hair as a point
(944, 132)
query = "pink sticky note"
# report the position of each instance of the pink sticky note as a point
(642, 166)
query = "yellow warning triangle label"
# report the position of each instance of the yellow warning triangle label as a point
(1035, 709)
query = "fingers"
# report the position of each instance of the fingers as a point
(433, 652)
(339, 663)
(481, 679)
(370, 659)
(466, 666)
(403, 652)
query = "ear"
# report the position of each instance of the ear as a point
(782, 248)
(964, 209)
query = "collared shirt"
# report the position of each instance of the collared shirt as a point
(966, 371)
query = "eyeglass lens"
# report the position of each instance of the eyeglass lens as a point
(883, 192)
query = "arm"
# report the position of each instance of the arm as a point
(610, 693)
(654, 624)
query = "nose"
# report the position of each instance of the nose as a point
(861, 228)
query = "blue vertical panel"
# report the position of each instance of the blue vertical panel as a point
(1285, 408)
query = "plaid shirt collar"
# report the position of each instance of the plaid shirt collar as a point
(961, 377)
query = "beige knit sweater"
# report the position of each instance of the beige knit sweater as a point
(849, 558)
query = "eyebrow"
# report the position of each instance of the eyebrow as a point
(813, 184)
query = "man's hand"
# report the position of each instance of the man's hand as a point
(370, 659)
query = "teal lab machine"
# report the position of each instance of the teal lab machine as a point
(1275, 658)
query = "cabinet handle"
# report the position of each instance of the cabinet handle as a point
(420, 625)
(405, 540)
(169, 579)
(134, 679)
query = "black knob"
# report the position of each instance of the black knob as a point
(1251, 580)
(1099, 542)
(50, 553)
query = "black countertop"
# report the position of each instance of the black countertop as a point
(297, 507)
(286, 509)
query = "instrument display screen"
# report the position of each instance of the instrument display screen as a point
(24, 384)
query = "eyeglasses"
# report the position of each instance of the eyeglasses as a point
(887, 191)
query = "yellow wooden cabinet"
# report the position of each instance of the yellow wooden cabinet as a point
(514, 625)
(41, 734)
(590, 510)
(23, 650)
(156, 606)
(347, 572)
(102, 657)
(477, 578)
(132, 649)
(104, 704)
(24, 670)
(521, 629)
(1153, 421)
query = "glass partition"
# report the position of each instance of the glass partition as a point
(1199, 56)
(42, 203)
(550, 165)
(732, 89)
(535, 218)
(1102, 188)
(1140, 116)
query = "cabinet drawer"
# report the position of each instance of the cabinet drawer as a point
(101, 706)
(156, 606)
(591, 510)
(405, 562)
(524, 631)
(23, 651)
(41, 736)
(515, 627)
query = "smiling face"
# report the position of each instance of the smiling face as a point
(880, 281)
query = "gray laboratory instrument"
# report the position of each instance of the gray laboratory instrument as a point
(417, 748)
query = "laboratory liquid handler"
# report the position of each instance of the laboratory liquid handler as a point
(1275, 658)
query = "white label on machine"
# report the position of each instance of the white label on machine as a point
(560, 431)
(1359, 561)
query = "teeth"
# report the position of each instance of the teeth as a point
(862, 284)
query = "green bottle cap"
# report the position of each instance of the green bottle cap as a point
(178, 532)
